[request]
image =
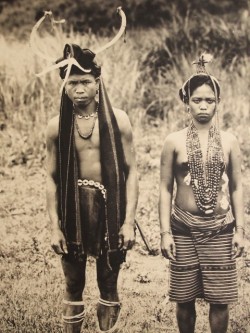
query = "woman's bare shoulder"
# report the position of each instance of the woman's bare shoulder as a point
(174, 140)
(176, 137)
(228, 135)
(228, 138)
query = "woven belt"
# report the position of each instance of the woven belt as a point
(99, 186)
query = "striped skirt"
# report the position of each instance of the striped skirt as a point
(203, 269)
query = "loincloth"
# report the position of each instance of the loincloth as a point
(203, 267)
(92, 214)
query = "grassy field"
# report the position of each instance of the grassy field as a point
(31, 281)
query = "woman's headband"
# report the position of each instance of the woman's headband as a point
(204, 59)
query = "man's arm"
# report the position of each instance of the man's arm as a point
(57, 238)
(165, 201)
(236, 195)
(127, 233)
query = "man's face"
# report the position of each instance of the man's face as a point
(202, 104)
(81, 88)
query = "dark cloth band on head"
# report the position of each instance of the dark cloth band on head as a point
(85, 59)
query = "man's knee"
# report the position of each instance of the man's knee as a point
(74, 273)
(74, 285)
(107, 279)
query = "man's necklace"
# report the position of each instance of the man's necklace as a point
(87, 117)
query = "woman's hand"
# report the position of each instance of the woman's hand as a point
(168, 247)
(238, 244)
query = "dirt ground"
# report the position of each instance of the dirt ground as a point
(31, 281)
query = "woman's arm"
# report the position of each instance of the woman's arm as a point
(236, 195)
(166, 194)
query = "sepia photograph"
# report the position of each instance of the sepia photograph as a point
(124, 166)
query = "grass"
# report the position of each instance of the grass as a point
(31, 281)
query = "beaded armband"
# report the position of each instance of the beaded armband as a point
(240, 227)
(165, 232)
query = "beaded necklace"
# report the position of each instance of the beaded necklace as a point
(92, 115)
(205, 177)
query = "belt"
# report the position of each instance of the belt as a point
(99, 186)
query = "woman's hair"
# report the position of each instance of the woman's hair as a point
(197, 81)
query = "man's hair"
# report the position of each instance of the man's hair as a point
(195, 82)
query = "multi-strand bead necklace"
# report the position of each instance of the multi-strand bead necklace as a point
(87, 117)
(205, 177)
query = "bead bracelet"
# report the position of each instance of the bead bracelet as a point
(240, 227)
(165, 232)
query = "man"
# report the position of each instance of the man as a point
(92, 188)
(197, 235)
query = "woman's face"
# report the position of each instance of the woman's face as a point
(202, 104)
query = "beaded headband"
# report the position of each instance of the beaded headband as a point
(204, 59)
(69, 58)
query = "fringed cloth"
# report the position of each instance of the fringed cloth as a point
(203, 267)
(112, 162)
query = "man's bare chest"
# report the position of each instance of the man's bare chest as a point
(87, 137)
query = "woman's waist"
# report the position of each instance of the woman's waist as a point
(186, 201)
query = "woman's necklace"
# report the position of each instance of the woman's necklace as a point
(87, 117)
(205, 177)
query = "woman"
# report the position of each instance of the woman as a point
(197, 233)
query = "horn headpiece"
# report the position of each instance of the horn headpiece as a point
(69, 58)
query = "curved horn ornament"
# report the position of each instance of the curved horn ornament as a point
(119, 34)
(70, 60)
(34, 33)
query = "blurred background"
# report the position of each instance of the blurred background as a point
(143, 75)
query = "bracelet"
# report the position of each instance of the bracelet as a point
(240, 227)
(165, 232)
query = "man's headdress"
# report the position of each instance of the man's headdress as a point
(111, 150)
(73, 55)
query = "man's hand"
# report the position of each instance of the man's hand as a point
(126, 237)
(237, 245)
(58, 242)
(168, 247)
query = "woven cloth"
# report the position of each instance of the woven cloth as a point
(203, 268)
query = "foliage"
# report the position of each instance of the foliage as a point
(18, 16)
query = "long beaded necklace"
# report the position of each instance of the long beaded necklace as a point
(205, 177)
(87, 117)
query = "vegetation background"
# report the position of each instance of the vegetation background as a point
(143, 76)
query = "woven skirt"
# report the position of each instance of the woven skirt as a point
(203, 270)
